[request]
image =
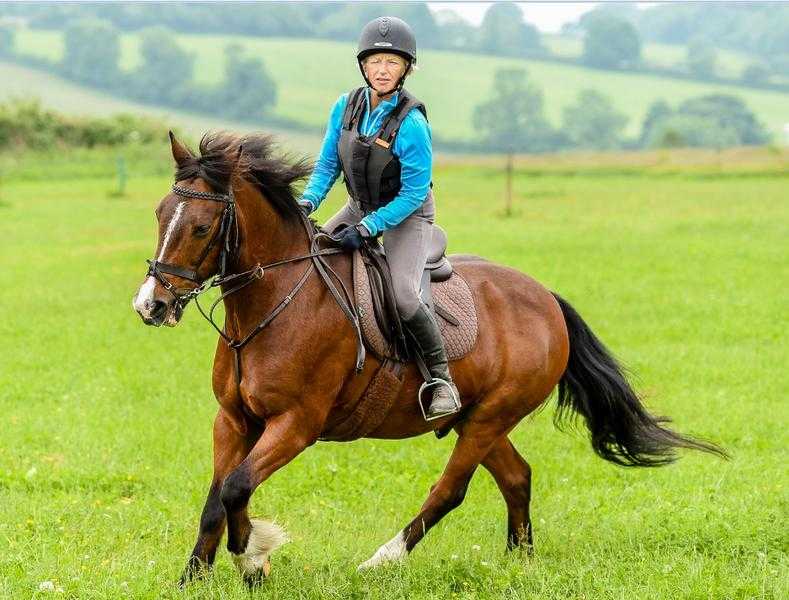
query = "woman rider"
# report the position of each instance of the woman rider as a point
(383, 147)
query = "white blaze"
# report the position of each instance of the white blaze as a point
(170, 228)
(143, 301)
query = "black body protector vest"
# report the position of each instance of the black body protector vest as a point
(371, 171)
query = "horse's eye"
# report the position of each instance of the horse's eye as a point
(202, 230)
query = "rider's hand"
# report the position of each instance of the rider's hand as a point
(350, 238)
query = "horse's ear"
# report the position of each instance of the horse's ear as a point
(180, 153)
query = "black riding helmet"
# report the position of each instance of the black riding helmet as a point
(387, 34)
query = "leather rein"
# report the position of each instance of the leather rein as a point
(228, 236)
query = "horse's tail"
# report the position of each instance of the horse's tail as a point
(594, 385)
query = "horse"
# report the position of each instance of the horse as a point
(232, 219)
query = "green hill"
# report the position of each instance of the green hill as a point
(312, 73)
(730, 63)
(71, 98)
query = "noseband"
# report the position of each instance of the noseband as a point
(227, 234)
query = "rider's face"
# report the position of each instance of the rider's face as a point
(384, 70)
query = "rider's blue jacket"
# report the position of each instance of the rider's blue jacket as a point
(412, 146)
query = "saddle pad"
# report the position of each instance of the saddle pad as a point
(453, 295)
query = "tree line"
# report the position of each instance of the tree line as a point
(165, 75)
(513, 120)
(612, 33)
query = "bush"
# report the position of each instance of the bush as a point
(26, 124)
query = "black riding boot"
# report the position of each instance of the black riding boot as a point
(425, 330)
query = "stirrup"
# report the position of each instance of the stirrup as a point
(436, 381)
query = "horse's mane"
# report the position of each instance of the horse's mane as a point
(275, 176)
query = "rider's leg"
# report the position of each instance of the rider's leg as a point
(406, 253)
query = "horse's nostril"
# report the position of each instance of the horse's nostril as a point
(158, 309)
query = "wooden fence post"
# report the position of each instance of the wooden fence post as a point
(508, 192)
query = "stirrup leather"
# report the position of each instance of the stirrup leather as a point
(436, 381)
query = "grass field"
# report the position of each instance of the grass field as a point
(310, 74)
(105, 456)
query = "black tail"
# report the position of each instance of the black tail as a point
(595, 386)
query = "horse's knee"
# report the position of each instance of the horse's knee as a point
(236, 490)
(449, 498)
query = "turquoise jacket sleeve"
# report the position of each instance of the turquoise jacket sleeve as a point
(414, 147)
(327, 167)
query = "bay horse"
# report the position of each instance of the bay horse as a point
(232, 215)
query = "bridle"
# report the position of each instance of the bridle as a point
(228, 235)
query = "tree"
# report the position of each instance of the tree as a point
(611, 43)
(683, 130)
(656, 112)
(6, 41)
(166, 72)
(756, 73)
(593, 122)
(513, 119)
(715, 120)
(456, 32)
(503, 31)
(248, 91)
(346, 23)
(701, 57)
(728, 112)
(92, 50)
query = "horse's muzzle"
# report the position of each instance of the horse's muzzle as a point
(155, 309)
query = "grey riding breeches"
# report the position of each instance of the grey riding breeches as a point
(406, 248)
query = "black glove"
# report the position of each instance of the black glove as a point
(350, 238)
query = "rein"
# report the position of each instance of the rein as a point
(241, 280)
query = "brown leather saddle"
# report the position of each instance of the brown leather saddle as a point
(443, 290)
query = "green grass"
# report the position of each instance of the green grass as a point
(105, 453)
(310, 74)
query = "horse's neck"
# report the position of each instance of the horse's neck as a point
(265, 238)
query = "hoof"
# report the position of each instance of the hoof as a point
(195, 569)
(393, 551)
(253, 563)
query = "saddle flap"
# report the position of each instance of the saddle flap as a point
(452, 301)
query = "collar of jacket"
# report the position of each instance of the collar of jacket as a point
(392, 102)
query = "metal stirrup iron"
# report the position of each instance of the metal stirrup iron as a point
(435, 382)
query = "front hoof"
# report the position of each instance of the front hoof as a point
(256, 579)
(195, 569)
(253, 563)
